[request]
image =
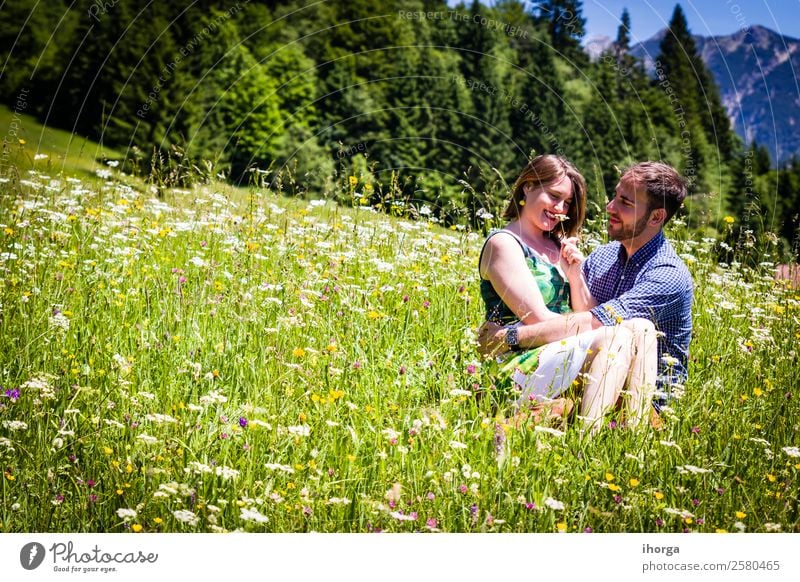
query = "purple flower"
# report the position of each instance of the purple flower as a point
(471, 369)
(695, 429)
(90, 483)
(587, 530)
(462, 489)
(242, 421)
(612, 424)
(92, 498)
(700, 521)
(430, 496)
(695, 502)
(617, 499)
(426, 304)
(720, 491)
(530, 506)
(356, 365)
(659, 522)
(14, 394)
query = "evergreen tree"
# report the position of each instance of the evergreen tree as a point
(567, 27)
(707, 140)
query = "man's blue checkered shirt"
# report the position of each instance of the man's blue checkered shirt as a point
(653, 284)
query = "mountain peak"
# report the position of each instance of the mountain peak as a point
(754, 69)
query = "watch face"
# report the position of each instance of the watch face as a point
(512, 338)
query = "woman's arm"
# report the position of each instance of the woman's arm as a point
(504, 265)
(572, 265)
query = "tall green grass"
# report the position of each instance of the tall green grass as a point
(219, 361)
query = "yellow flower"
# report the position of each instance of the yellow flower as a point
(634, 482)
(718, 530)
(658, 495)
(157, 520)
(729, 219)
(21, 141)
(119, 492)
(298, 352)
(740, 515)
(351, 458)
(609, 477)
(561, 526)
(614, 488)
(771, 478)
(353, 181)
(757, 392)
(332, 348)
(107, 450)
(136, 527)
(687, 520)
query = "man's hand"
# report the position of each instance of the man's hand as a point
(491, 340)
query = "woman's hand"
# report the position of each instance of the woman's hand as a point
(491, 339)
(571, 257)
(570, 251)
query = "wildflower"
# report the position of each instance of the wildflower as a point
(136, 528)
(126, 514)
(14, 394)
(400, 516)
(740, 515)
(561, 527)
(242, 421)
(432, 523)
(548, 430)
(792, 451)
(457, 445)
(252, 515)
(301, 430)
(353, 181)
(394, 493)
(147, 439)
(15, 425)
(633, 482)
(186, 516)
(554, 504)
(669, 360)
(729, 219)
(658, 495)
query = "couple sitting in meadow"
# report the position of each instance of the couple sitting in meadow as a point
(618, 322)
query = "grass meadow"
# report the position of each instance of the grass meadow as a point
(225, 359)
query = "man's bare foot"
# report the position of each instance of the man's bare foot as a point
(655, 420)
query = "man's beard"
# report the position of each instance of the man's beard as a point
(622, 233)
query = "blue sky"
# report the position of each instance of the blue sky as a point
(705, 17)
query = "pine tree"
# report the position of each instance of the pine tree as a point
(707, 140)
(567, 27)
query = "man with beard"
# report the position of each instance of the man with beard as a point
(637, 275)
